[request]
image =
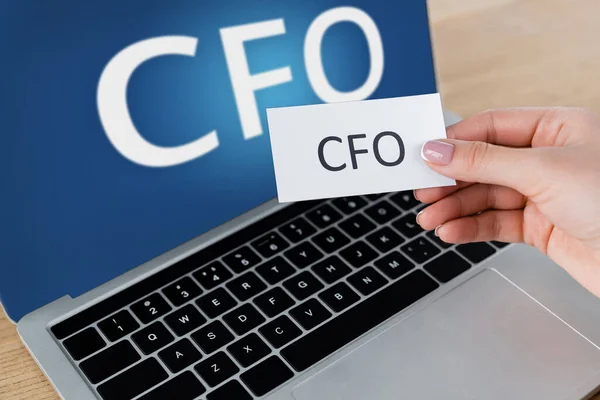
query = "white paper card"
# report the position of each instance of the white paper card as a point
(352, 148)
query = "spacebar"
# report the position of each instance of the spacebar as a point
(355, 321)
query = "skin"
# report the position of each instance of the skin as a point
(524, 175)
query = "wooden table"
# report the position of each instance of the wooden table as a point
(489, 53)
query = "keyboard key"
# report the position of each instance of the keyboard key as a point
(310, 314)
(212, 337)
(266, 376)
(150, 308)
(249, 350)
(367, 280)
(117, 326)
(182, 291)
(499, 245)
(447, 266)
(431, 235)
(134, 381)
(230, 391)
(246, 286)
(357, 320)
(84, 343)
(270, 244)
(186, 385)
(180, 355)
(303, 285)
(212, 275)
(216, 303)
(280, 331)
(357, 225)
(348, 205)
(382, 212)
(241, 259)
(331, 269)
(476, 252)
(243, 319)
(274, 302)
(405, 200)
(152, 338)
(185, 320)
(358, 254)
(275, 270)
(385, 239)
(297, 230)
(216, 369)
(110, 361)
(394, 265)
(324, 216)
(339, 297)
(408, 226)
(420, 250)
(331, 240)
(303, 254)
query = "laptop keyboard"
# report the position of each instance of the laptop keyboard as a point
(243, 316)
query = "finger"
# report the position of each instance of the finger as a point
(503, 226)
(518, 127)
(520, 169)
(470, 201)
(431, 195)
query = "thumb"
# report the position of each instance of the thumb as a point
(518, 168)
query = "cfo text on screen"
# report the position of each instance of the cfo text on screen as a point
(112, 87)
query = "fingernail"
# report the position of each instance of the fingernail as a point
(437, 152)
(415, 195)
(436, 230)
(418, 215)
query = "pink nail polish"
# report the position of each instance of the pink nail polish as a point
(437, 152)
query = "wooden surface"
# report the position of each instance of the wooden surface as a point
(489, 53)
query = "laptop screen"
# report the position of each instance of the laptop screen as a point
(132, 126)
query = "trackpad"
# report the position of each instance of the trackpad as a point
(484, 340)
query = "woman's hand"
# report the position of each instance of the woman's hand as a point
(524, 175)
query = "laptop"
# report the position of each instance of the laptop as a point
(145, 255)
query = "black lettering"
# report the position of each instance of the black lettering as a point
(353, 151)
(322, 156)
(400, 146)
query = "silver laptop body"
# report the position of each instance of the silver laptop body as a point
(514, 326)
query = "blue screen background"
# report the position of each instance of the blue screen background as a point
(74, 212)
